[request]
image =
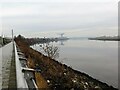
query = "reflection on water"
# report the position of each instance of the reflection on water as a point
(96, 58)
(61, 42)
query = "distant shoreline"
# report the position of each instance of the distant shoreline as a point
(104, 39)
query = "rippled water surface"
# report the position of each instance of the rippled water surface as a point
(96, 58)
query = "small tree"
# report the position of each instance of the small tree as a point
(51, 51)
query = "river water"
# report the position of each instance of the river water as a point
(99, 59)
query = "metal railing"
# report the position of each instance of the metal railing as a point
(21, 83)
(24, 75)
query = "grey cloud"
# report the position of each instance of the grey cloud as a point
(61, 16)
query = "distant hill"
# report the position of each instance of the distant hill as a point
(75, 38)
(108, 38)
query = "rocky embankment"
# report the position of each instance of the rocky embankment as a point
(58, 75)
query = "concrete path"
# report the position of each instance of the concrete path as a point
(7, 51)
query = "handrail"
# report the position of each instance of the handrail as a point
(21, 82)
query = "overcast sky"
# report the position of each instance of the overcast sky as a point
(47, 18)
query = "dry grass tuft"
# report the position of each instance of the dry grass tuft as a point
(41, 82)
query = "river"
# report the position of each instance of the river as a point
(97, 58)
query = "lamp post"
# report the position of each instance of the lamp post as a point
(13, 40)
(12, 36)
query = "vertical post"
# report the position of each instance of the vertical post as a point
(13, 40)
(12, 36)
(2, 38)
(13, 43)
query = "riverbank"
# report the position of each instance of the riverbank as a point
(104, 38)
(58, 75)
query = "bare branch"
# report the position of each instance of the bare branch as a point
(51, 51)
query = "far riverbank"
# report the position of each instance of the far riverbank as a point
(106, 38)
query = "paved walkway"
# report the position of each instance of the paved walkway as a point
(7, 51)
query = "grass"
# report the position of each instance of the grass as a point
(41, 82)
